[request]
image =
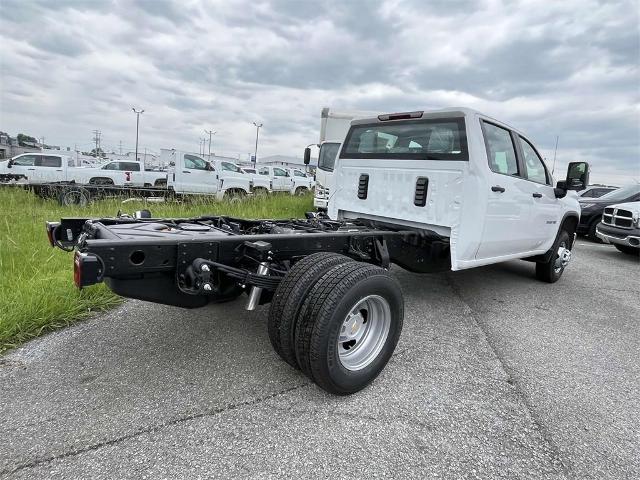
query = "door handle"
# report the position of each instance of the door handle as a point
(186, 171)
(497, 188)
(30, 168)
(58, 170)
(537, 195)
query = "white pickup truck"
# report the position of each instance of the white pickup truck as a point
(427, 190)
(47, 168)
(192, 174)
(260, 184)
(282, 180)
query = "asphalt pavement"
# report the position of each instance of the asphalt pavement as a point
(496, 375)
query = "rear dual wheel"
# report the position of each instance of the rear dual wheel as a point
(342, 321)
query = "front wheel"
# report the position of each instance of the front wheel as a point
(552, 270)
(349, 327)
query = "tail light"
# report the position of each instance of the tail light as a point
(87, 269)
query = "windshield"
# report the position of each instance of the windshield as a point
(428, 139)
(621, 193)
(327, 157)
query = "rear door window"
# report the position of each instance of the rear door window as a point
(194, 163)
(278, 172)
(501, 151)
(130, 166)
(48, 161)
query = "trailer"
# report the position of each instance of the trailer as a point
(427, 191)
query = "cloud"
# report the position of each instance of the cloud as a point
(569, 69)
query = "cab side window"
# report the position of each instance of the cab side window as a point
(501, 151)
(278, 172)
(230, 167)
(112, 166)
(264, 171)
(25, 161)
(48, 161)
(534, 166)
(194, 163)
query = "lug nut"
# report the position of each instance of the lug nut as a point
(206, 287)
(205, 268)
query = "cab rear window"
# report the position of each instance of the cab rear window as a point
(428, 139)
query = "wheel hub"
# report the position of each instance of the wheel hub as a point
(563, 259)
(363, 332)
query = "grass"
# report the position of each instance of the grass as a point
(36, 281)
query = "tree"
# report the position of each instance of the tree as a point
(23, 139)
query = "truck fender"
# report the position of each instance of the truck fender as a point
(569, 223)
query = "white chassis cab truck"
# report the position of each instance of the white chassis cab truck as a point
(191, 174)
(283, 181)
(426, 190)
(261, 185)
(334, 125)
(47, 168)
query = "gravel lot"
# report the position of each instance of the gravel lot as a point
(496, 376)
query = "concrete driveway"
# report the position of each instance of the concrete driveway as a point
(496, 376)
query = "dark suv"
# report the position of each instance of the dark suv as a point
(592, 208)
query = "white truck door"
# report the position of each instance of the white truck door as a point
(281, 182)
(48, 168)
(507, 226)
(546, 210)
(131, 174)
(196, 175)
(23, 165)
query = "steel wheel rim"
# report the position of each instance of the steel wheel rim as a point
(563, 258)
(364, 332)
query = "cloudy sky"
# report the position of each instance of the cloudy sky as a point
(569, 68)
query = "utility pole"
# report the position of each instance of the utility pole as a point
(210, 132)
(137, 112)
(96, 138)
(42, 142)
(120, 147)
(255, 155)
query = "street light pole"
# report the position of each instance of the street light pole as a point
(137, 127)
(255, 155)
(210, 132)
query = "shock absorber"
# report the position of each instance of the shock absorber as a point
(263, 249)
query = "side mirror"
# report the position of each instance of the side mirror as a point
(210, 168)
(577, 176)
(307, 156)
(10, 163)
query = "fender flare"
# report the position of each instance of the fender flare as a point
(569, 223)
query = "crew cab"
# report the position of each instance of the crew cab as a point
(428, 191)
(47, 168)
(620, 226)
(283, 181)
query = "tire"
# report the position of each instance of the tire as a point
(74, 196)
(592, 231)
(300, 191)
(260, 192)
(160, 183)
(289, 297)
(360, 293)
(552, 270)
(627, 249)
(234, 195)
